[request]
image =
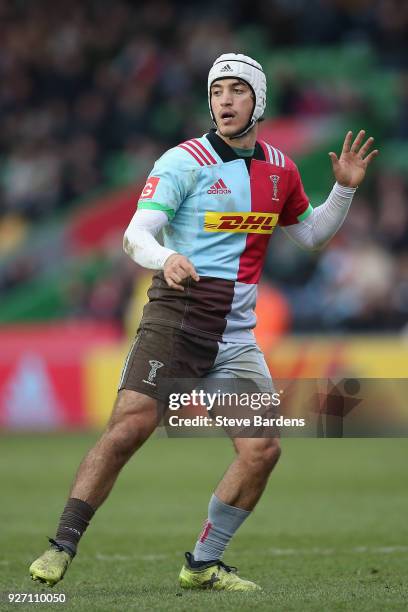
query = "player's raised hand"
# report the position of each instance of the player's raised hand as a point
(350, 168)
(176, 269)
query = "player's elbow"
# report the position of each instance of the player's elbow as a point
(318, 245)
(128, 247)
(314, 243)
(309, 246)
(314, 248)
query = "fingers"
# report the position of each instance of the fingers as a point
(189, 270)
(347, 142)
(357, 146)
(174, 285)
(177, 275)
(334, 158)
(335, 161)
(184, 268)
(364, 149)
(371, 156)
(173, 275)
(178, 269)
(359, 139)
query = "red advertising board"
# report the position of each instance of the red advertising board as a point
(36, 392)
(42, 374)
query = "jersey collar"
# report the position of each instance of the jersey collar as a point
(227, 153)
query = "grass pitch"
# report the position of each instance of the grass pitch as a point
(330, 533)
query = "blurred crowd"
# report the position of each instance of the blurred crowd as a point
(93, 91)
(359, 281)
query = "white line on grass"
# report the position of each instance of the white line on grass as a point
(380, 550)
(116, 557)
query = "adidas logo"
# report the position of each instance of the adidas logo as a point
(219, 188)
(226, 68)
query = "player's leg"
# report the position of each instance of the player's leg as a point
(241, 486)
(231, 504)
(244, 368)
(244, 481)
(133, 419)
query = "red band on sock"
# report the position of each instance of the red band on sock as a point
(205, 531)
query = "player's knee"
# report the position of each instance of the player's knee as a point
(269, 454)
(262, 454)
(274, 451)
(129, 432)
(133, 420)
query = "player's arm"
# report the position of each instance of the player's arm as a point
(166, 188)
(139, 241)
(323, 221)
(320, 224)
(140, 244)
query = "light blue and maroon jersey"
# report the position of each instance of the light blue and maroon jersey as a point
(222, 210)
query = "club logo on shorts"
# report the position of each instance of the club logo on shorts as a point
(149, 188)
(154, 365)
(275, 179)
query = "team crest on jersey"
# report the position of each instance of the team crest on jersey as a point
(150, 188)
(219, 188)
(275, 180)
(242, 223)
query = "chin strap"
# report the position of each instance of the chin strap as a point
(240, 134)
(247, 129)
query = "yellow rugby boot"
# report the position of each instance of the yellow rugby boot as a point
(51, 566)
(214, 575)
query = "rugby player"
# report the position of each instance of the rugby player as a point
(217, 200)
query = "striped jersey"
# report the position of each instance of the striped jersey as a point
(222, 210)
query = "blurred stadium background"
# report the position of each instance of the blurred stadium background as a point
(93, 92)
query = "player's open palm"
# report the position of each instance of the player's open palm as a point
(176, 269)
(349, 169)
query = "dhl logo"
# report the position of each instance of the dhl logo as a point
(243, 223)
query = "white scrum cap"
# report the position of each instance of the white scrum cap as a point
(238, 66)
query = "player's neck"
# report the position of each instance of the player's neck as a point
(244, 142)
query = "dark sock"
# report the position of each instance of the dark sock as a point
(73, 522)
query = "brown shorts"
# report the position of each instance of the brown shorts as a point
(159, 353)
(165, 361)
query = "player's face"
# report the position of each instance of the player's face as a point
(232, 103)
